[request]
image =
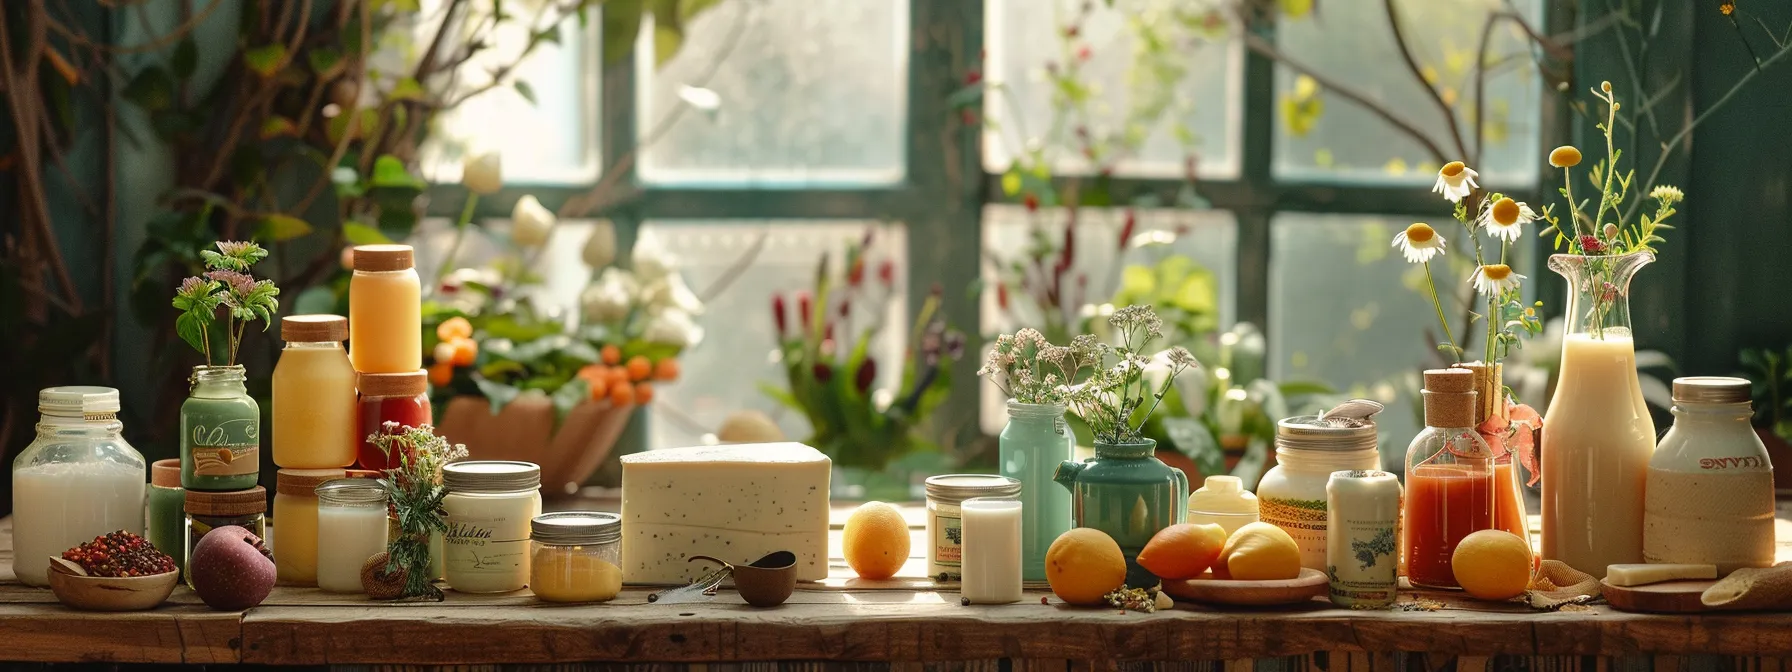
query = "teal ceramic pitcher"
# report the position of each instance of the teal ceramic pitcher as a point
(1128, 493)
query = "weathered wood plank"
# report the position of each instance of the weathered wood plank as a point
(51, 633)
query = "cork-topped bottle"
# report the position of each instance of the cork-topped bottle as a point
(1449, 479)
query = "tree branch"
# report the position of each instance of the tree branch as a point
(1264, 48)
(1412, 63)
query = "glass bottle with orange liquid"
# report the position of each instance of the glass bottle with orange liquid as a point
(1509, 512)
(1449, 479)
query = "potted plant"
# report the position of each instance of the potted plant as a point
(220, 424)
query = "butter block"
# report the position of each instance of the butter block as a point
(1642, 575)
(735, 502)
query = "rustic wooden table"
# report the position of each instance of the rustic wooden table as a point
(904, 622)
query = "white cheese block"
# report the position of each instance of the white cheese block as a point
(1642, 575)
(736, 502)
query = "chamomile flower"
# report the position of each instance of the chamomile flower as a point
(1419, 243)
(1495, 279)
(1455, 181)
(1506, 218)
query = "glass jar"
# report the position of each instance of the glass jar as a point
(576, 556)
(1709, 497)
(207, 511)
(945, 524)
(390, 397)
(1032, 444)
(351, 527)
(1291, 495)
(491, 506)
(167, 510)
(78, 479)
(295, 523)
(220, 432)
(992, 550)
(385, 311)
(1449, 479)
(314, 395)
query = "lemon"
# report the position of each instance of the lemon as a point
(1259, 552)
(1183, 551)
(875, 541)
(1492, 565)
(1083, 565)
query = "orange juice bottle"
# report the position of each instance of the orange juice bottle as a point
(1449, 479)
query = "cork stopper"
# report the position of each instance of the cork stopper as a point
(227, 504)
(1490, 390)
(361, 473)
(313, 328)
(381, 258)
(304, 482)
(1450, 398)
(165, 473)
(408, 384)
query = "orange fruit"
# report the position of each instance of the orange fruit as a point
(618, 375)
(600, 387)
(593, 372)
(443, 353)
(639, 368)
(875, 541)
(667, 369)
(611, 355)
(454, 328)
(643, 393)
(1083, 565)
(622, 395)
(441, 373)
(1183, 551)
(465, 351)
(1492, 564)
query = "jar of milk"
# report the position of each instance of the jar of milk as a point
(78, 480)
(1709, 495)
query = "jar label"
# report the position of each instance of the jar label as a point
(232, 448)
(948, 540)
(1363, 569)
(483, 544)
(1303, 519)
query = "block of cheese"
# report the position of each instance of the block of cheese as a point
(1642, 575)
(735, 502)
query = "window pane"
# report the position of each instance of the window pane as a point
(810, 92)
(1352, 44)
(1207, 237)
(723, 373)
(1197, 82)
(553, 140)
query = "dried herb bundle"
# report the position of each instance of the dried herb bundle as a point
(416, 492)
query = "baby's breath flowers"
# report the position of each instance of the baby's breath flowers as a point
(1030, 370)
(1455, 181)
(1419, 243)
(1111, 399)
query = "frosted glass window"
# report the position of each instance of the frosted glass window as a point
(1208, 237)
(1023, 36)
(739, 350)
(1352, 43)
(553, 140)
(811, 92)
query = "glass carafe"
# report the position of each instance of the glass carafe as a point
(1032, 445)
(220, 432)
(1597, 436)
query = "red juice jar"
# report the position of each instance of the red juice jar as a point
(389, 397)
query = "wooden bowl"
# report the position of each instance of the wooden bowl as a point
(101, 593)
(769, 581)
(1310, 584)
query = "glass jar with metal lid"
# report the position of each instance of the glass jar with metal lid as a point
(945, 534)
(490, 505)
(1308, 449)
(576, 556)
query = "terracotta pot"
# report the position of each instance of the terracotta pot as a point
(524, 431)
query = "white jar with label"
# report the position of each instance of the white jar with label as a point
(1292, 495)
(1363, 538)
(945, 521)
(1709, 495)
(489, 506)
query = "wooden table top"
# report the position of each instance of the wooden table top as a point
(844, 619)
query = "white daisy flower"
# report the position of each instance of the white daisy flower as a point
(1506, 219)
(1455, 181)
(1495, 279)
(1419, 243)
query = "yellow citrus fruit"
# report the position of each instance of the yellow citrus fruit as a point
(1258, 552)
(875, 541)
(1183, 551)
(1492, 564)
(1083, 565)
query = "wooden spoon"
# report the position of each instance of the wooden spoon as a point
(58, 564)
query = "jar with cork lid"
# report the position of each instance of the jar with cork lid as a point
(1449, 479)
(1709, 495)
(314, 395)
(385, 310)
(401, 398)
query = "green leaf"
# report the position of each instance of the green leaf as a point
(326, 62)
(550, 35)
(191, 328)
(969, 96)
(357, 233)
(152, 89)
(266, 60)
(281, 228)
(570, 395)
(666, 42)
(347, 181)
(185, 58)
(388, 171)
(498, 395)
(525, 90)
(1011, 181)
(408, 89)
(277, 126)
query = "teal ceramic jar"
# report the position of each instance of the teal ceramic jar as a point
(220, 432)
(1033, 444)
(1128, 493)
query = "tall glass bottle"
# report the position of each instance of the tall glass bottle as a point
(78, 480)
(1449, 479)
(220, 432)
(1032, 445)
(1597, 436)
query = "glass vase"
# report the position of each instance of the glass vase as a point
(1032, 445)
(1126, 492)
(220, 432)
(1597, 436)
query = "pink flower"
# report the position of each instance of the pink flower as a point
(1591, 245)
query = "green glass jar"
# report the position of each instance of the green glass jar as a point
(1128, 493)
(220, 432)
(1032, 445)
(167, 528)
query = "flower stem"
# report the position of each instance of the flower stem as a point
(1435, 303)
